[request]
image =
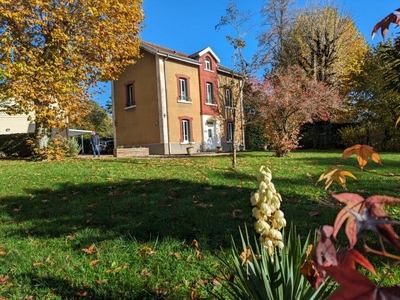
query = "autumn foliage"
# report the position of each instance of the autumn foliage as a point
(53, 52)
(287, 101)
(360, 215)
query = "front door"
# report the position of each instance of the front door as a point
(210, 138)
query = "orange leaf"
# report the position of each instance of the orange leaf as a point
(88, 250)
(100, 281)
(195, 243)
(91, 250)
(193, 294)
(246, 255)
(3, 280)
(94, 262)
(199, 255)
(145, 273)
(81, 294)
(363, 152)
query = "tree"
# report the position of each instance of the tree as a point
(98, 119)
(376, 106)
(277, 17)
(54, 51)
(287, 101)
(324, 41)
(109, 107)
(240, 22)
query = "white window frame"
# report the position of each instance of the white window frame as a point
(130, 95)
(207, 62)
(183, 90)
(185, 131)
(210, 93)
(229, 132)
(228, 98)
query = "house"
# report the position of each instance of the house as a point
(24, 123)
(168, 101)
(19, 123)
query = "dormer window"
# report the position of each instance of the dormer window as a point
(207, 61)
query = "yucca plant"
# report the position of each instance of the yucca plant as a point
(258, 276)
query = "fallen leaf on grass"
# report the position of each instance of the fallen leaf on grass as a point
(237, 214)
(100, 282)
(313, 213)
(36, 264)
(199, 255)
(91, 250)
(17, 210)
(145, 273)
(94, 262)
(193, 294)
(208, 188)
(119, 268)
(216, 282)
(81, 294)
(3, 280)
(146, 251)
(204, 205)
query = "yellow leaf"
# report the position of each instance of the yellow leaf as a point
(334, 174)
(397, 122)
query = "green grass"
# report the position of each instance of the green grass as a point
(143, 214)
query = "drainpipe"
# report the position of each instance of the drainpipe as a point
(242, 115)
(113, 113)
(166, 103)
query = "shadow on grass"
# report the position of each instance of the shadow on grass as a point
(145, 210)
(139, 209)
(67, 289)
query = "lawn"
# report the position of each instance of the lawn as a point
(124, 228)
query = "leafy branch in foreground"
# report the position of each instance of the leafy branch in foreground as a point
(360, 215)
(363, 152)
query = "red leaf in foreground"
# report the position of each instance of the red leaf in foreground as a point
(349, 258)
(353, 202)
(354, 285)
(376, 209)
(383, 24)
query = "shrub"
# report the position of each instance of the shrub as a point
(16, 144)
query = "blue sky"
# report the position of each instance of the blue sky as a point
(189, 26)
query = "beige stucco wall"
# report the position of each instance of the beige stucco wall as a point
(15, 124)
(138, 125)
(179, 109)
